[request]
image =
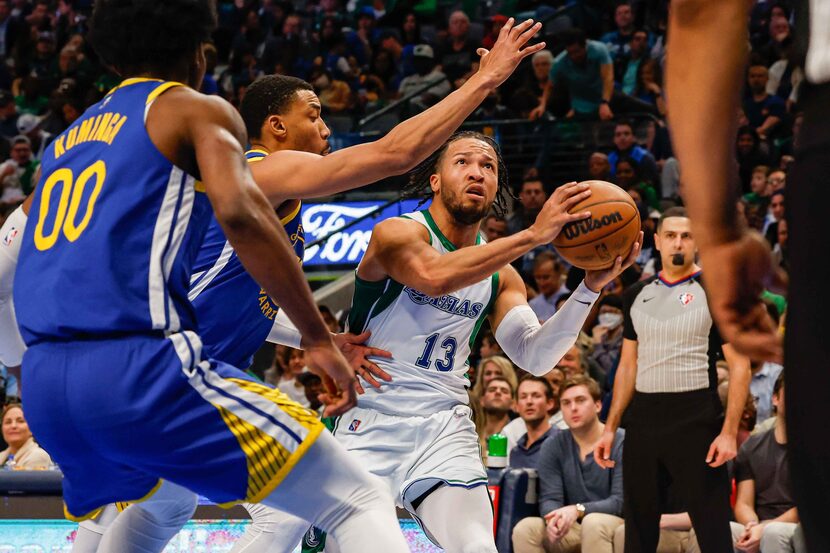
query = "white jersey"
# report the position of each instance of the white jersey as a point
(430, 338)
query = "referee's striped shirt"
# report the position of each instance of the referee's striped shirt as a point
(677, 342)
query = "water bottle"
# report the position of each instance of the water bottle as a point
(497, 451)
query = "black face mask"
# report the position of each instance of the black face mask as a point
(678, 259)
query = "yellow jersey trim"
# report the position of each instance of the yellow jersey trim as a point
(96, 512)
(161, 89)
(286, 468)
(291, 216)
(256, 151)
(199, 186)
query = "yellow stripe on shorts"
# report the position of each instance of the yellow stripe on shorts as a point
(268, 461)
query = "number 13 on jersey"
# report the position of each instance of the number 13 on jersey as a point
(449, 345)
(69, 201)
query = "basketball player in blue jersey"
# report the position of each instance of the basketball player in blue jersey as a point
(119, 389)
(424, 288)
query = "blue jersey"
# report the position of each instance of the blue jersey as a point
(235, 314)
(113, 232)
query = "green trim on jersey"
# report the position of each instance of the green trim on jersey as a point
(494, 291)
(411, 219)
(441, 238)
(371, 299)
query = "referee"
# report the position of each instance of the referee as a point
(676, 432)
(708, 52)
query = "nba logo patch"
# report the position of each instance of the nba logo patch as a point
(10, 236)
(685, 298)
(354, 426)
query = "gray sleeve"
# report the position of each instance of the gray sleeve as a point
(613, 504)
(551, 483)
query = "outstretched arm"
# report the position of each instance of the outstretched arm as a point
(706, 55)
(297, 175)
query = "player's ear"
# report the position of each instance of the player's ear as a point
(276, 126)
(435, 183)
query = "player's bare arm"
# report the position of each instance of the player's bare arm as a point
(400, 248)
(706, 57)
(217, 134)
(624, 383)
(725, 447)
(291, 174)
(537, 347)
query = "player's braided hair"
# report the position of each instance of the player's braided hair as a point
(137, 36)
(418, 185)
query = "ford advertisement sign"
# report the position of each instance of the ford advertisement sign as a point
(346, 247)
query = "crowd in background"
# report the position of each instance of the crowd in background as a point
(606, 61)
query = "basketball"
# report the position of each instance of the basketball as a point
(611, 230)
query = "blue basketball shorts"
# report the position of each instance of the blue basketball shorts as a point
(120, 415)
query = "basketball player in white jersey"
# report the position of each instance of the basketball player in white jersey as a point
(424, 288)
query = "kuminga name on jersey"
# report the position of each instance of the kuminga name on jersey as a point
(110, 242)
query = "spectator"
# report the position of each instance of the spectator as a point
(491, 108)
(17, 173)
(29, 126)
(556, 376)
(576, 362)
(209, 84)
(426, 72)
(776, 214)
(291, 364)
(8, 113)
(30, 99)
(531, 91)
(335, 95)
(534, 399)
(763, 111)
(410, 30)
(777, 180)
(780, 256)
(399, 60)
(761, 387)
(749, 154)
(329, 318)
(494, 227)
(458, 52)
(581, 502)
(618, 41)
(627, 67)
(495, 24)
(759, 186)
(361, 41)
(10, 30)
(312, 388)
(492, 367)
(599, 168)
(495, 404)
(649, 86)
(23, 453)
(607, 335)
(489, 346)
(585, 70)
(625, 144)
(629, 177)
(764, 508)
(532, 197)
(547, 274)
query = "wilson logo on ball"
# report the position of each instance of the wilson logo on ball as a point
(578, 228)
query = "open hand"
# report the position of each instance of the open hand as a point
(499, 63)
(357, 354)
(554, 214)
(596, 280)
